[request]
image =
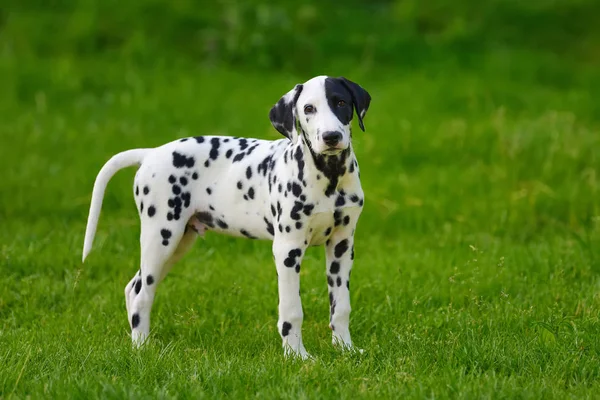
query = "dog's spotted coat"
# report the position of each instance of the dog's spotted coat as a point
(300, 191)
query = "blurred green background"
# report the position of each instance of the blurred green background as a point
(477, 269)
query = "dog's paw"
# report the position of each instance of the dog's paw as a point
(299, 353)
(138, 339)
(345, 345)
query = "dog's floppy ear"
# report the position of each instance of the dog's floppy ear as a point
(360, 98)
(283, 113)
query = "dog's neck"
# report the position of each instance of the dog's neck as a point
(332, 168)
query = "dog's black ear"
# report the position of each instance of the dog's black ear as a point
(361, 99)
(283, 113)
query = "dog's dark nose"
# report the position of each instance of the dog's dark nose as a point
(331, 138)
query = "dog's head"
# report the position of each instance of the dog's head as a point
(321, 110)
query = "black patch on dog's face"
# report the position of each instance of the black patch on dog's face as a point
(336, 92)
(352, 94)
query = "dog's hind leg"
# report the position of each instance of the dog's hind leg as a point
(161, 248)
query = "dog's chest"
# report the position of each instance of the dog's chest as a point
(320, 228)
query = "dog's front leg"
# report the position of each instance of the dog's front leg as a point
(339, 252)
(288, 257)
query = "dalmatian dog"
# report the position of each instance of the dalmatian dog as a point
(300, 191)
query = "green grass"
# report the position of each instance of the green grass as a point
(477, 254)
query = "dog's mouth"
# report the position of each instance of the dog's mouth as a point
(332, 150)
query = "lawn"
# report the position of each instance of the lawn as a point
(477, 270)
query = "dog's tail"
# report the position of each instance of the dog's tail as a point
(119, 161)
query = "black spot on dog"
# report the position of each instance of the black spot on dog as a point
(279, 210)
(243, 144)
(151, 211)
(214, 150)
(208, 190)
(146, 190)
(290, 261)
(348, 284)
(165, 242)
(137, 190)
(264, 166)
(295, 213)
(340, 201)
(339, 281)
(279, 188)
(296, 189)
(289, 186)
(341, 248)
(288, 229)
(180, 160)
(329, 280)
(211, 208)
(222, 224)
(298, 155)
(249, 172)
(186, 196)
(352, 253)
(172, 179)
(239, 157)
(273, 211)
(229, 153)
(302, 197)
(176, 189)
(149, 280)
(247, 234)
(327, 231)
(354, 198)
(335, 267)
(298, 225)
(308, 209)
(280, 228)
(240, 185)
(251, 149)
(207, 163)
(269, 227)
(169, 216)
(138, 286)
(195, 176)
(285, 328)
(199, 139)
(135, 320)
(361, 202)
(206, 218)
(351, 168)
(165, 233)
(346, 220)
(183, 180)
(141, 207)
(337, 217)
(183, 140)
(251, 193)
(171, 203)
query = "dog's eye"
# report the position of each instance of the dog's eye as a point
(341, 103)
(309, 109)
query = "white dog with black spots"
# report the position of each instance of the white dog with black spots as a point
(300, 191)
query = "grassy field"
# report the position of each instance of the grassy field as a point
(477, 271)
